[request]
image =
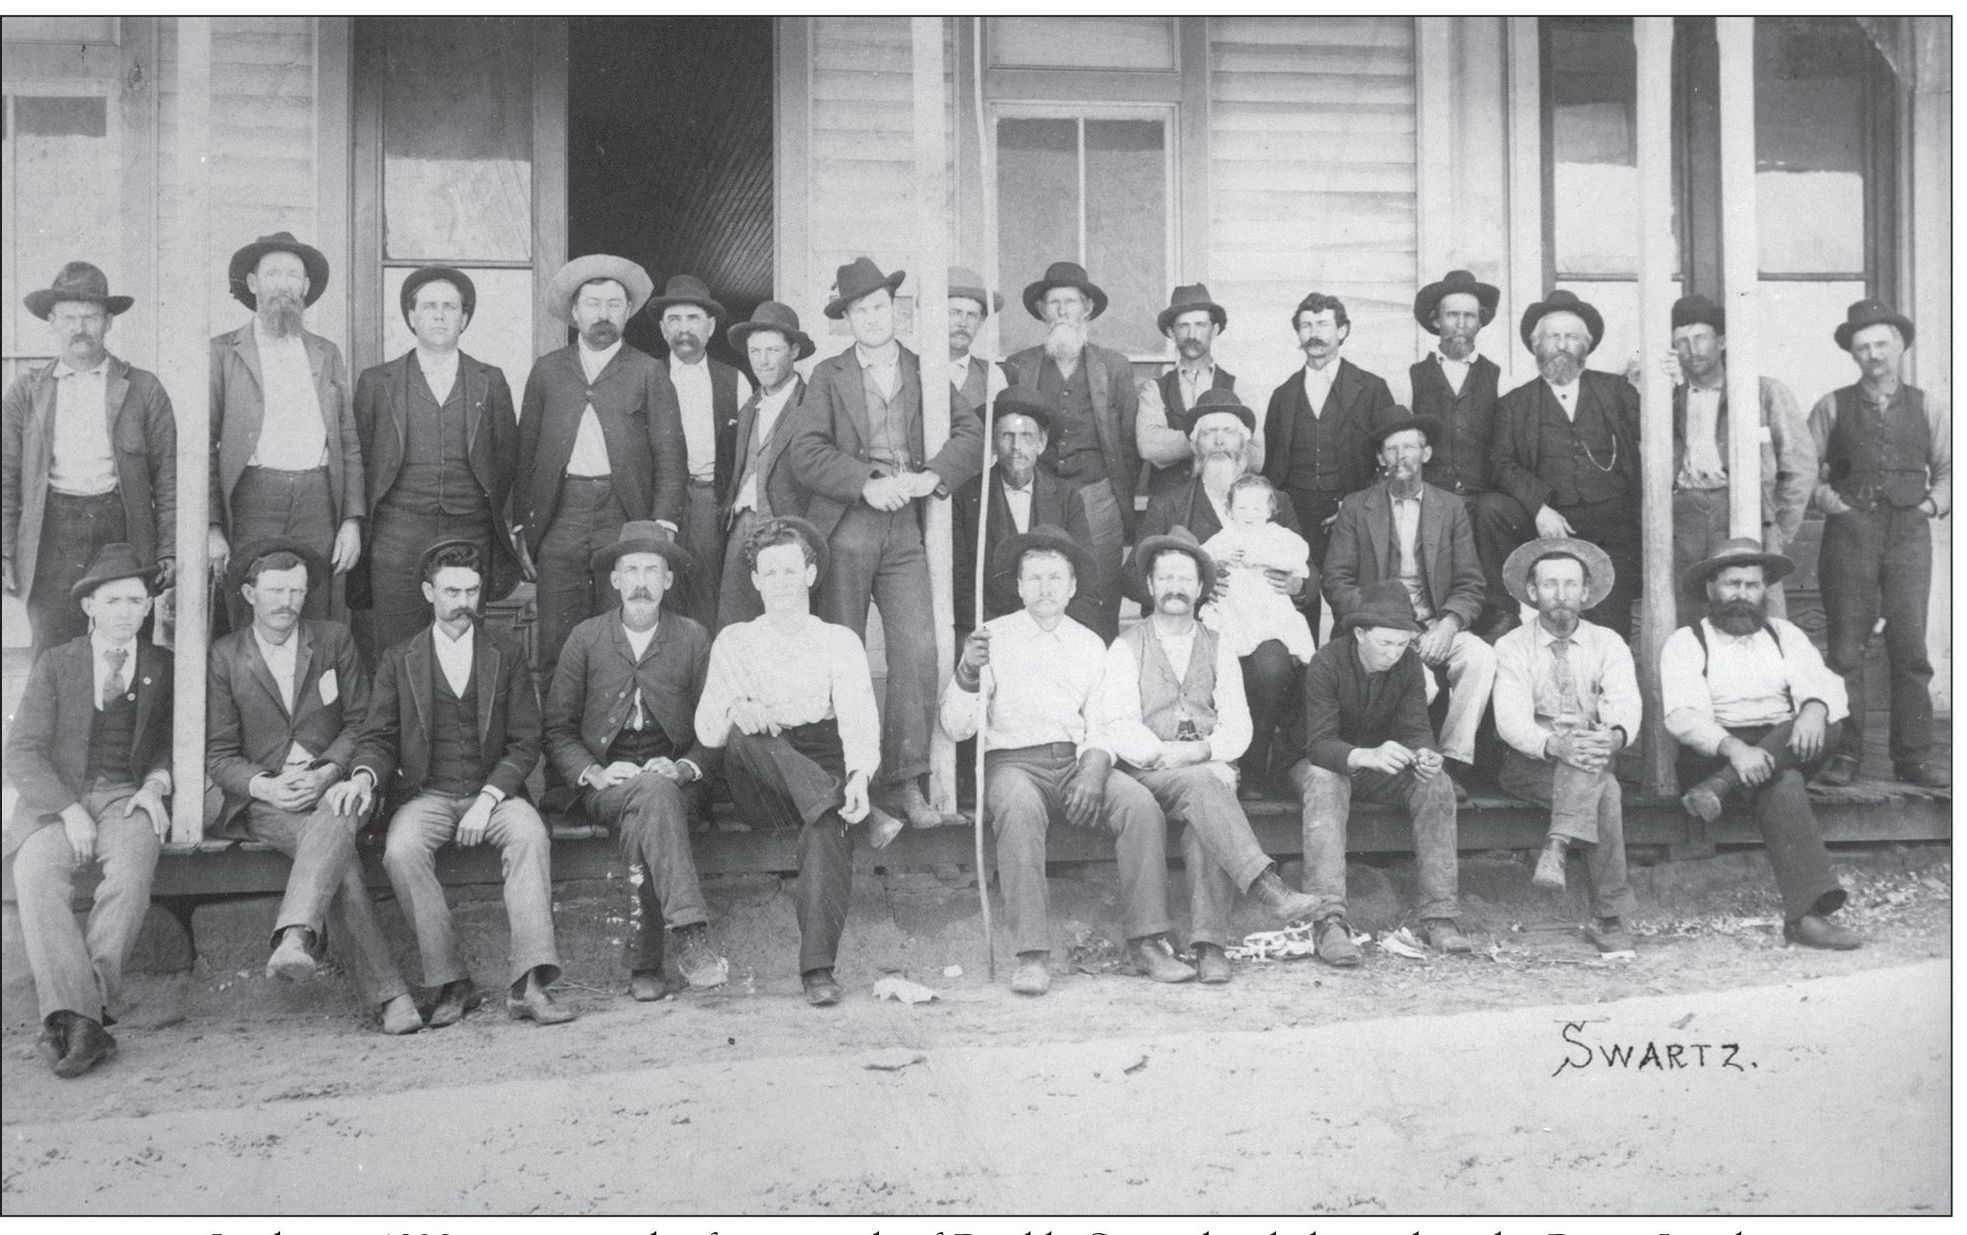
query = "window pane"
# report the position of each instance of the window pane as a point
(1037, 213)
(1082, 42)
(1797, 349)
(60, 30)
(1618, 303)
(1810, 91)
(458, 140)
(60, 177)
(1594, 176)
(501, 333)
(1127, 229)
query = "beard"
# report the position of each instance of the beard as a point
(1560, 365)
(1066, 341)
(1220, 468)
(1562, 619)
(1457, 346)
(1403, 484)
(601, 335)
(280, 312)
(1737, 617)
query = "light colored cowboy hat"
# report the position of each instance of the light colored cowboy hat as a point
(1741, 551)
(1600, 574)
(567, 281)
(968, 284)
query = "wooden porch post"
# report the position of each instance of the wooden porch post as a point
(931, 310)
(1653, 40)
(1735, 36)
(185, 335)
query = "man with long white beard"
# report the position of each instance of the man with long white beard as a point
(287, 460)
(1757, 712)
(1566, 447)
(1092, 446)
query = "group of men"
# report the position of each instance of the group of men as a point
(686, 529)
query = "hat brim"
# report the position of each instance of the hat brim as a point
(1775, 568)
(423, 276)
(996, 302)
(247, 260)
(836, 308)
(1383, 621)
(42, 301)
(582, 270)
(1034, 296)
(742, 332)
(1599, 571)
(822, 554)
(89, 583)
(1594, 321)
(317, 565)
(658, 305)
(1008, 555)
(1165, 320)
(1194, 415)
(1047, 417)
(604, 558)
(1487, 295)
(1429, 426)
(1844, 333)
(1155, 546)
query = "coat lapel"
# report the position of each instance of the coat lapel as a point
(254, 409)
(1431, 540)
(303, 659)
(417, 665)
(399, 403)
(116, 390)
(486, 653)
(262, 673)
(146, 682)
(854, 397)
(1098, 381)
(1379, 529)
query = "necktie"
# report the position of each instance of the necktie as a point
(1564, 682)
(114, 685)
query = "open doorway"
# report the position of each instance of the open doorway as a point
(669, 155)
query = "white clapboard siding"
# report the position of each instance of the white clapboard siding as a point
(1312, 186)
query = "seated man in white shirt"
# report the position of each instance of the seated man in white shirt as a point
(1755, 710)
(788, 704)
(1037, 671)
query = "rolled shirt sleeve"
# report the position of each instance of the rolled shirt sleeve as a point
(1809, 677)
(959, 709)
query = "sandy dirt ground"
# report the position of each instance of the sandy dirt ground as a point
(1516, 1081)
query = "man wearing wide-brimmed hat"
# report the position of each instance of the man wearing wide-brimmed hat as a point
(1757, 713)
(1700, 450)
(285, 699)
(89, 752)
(1192, 321)
(287, 459)
(600, 444)
(1022, 496)
(708, 396)
(1367, 737)
(89, 455)
(773, 343)
(1172, 711)
(1567, 702)
(1887, 474)
(1038, 672)
(859, 453)
(1566, 447)
(620, 723)
(439, 443)
(972, 378)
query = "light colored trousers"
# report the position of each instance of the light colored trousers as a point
(326, 881)
(1218, 847)
(76, 971)
(1471, 676)
(427, 822)
(1588, 807)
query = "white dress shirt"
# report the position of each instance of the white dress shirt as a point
(816, 673)
(293, 436)
(1701, 466)
(281, 661)
(1747, 681)
(1019, 502)
(694, 400)
(1567, 398)
(83, 463)
(1121, 729)
(1407, 532)
(440, 372)
(99, 651)
(771, 404)
(454, 656)
(1039, 685)
(883, 364)
(1455, 371)
(1318, 386)
(590, 453)
(1601, 667)
(959, 373)
(638, 646)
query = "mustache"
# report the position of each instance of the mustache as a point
(640, 593)
(602, 332)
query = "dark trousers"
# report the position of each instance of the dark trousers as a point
(397, 539)
(1315, 509)
(695, 594)
(1612, 525)
(568, 592)
(1872, 562)
(1107, 539)
(794, 779)
(879, 556)
(1499, 525)
(1782, 811)
(737, 600)
(1270, 683)
(650, 818)
(270, 502)
(72, 529)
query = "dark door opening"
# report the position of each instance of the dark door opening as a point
(669, 155)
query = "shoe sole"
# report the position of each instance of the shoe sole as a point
(521, 1013)
(293, 969)
(708, 977)
(1213, 979)
(822, 999)
(1342, 962)
(404, 1030)
(69, 1074)
(1546, 883)
(1171, 980)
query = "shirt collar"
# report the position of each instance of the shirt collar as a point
(436, 364)
(1196, 375)
(64, 369)
(700, 366)
(888, 353)
(444, 641)
(599, 357)
(1446, 359)
(1544, 638)
(1030, 484)
(1718, 634)
(100, 645)
(271, 650)
(1561, 391)
(266, 339)
(642, 635)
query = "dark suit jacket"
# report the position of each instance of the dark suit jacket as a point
(47, 751)
(1357, 401)
(1514, 451)
(143, 438)
(395, 741)
(1052, 501)
(593, 690)
(777, 494)
(382, 410)
(1361, 552)
(1347, 707)
(1110, 377)
(636, 405)
(247, 726)
(239, 410)
(724, 408)
(1188, 506)
(829, 446)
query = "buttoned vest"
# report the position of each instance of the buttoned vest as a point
(113, 735)
(1164, 701)
(436, 474)
(1461, 462)
(1876, 454)
(457, 759)
(1163, 479)
(1579, 458)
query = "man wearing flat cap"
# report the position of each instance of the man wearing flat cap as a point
(1566, 447)
(620, 724)
(1567, 702)
(859, 453)
(1757, 713)
(1038, 673)
(1367, 736)
(88, 458)
(973, 379)
(89, 752)
(286, 456)
(1316, 425)
(763, 486)
(285, 699)
(1887, 474)
(708, 396)
(1700, 450)
(1022, 496)
(439, 441)
(600, 443)
(1192, 321)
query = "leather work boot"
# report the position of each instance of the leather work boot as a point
(53, 1042)
(291, 961)
(1840, 771)
(1444, 936)
(1550, 864)
(1813, 930)
(88, 1045)
(1156, 960)
(534, 1003)
(453, 1001)
(1335, 945)
(1923, 775)
(1032, 977)
(646, 986)
(906, 800)
(821, 990)
(882, 827)
(1211, 965)
(1279, 901)
(700, 966)
(1703, 801)
(1609, 935)
(400, 1016)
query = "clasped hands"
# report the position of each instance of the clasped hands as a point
(886, 493)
